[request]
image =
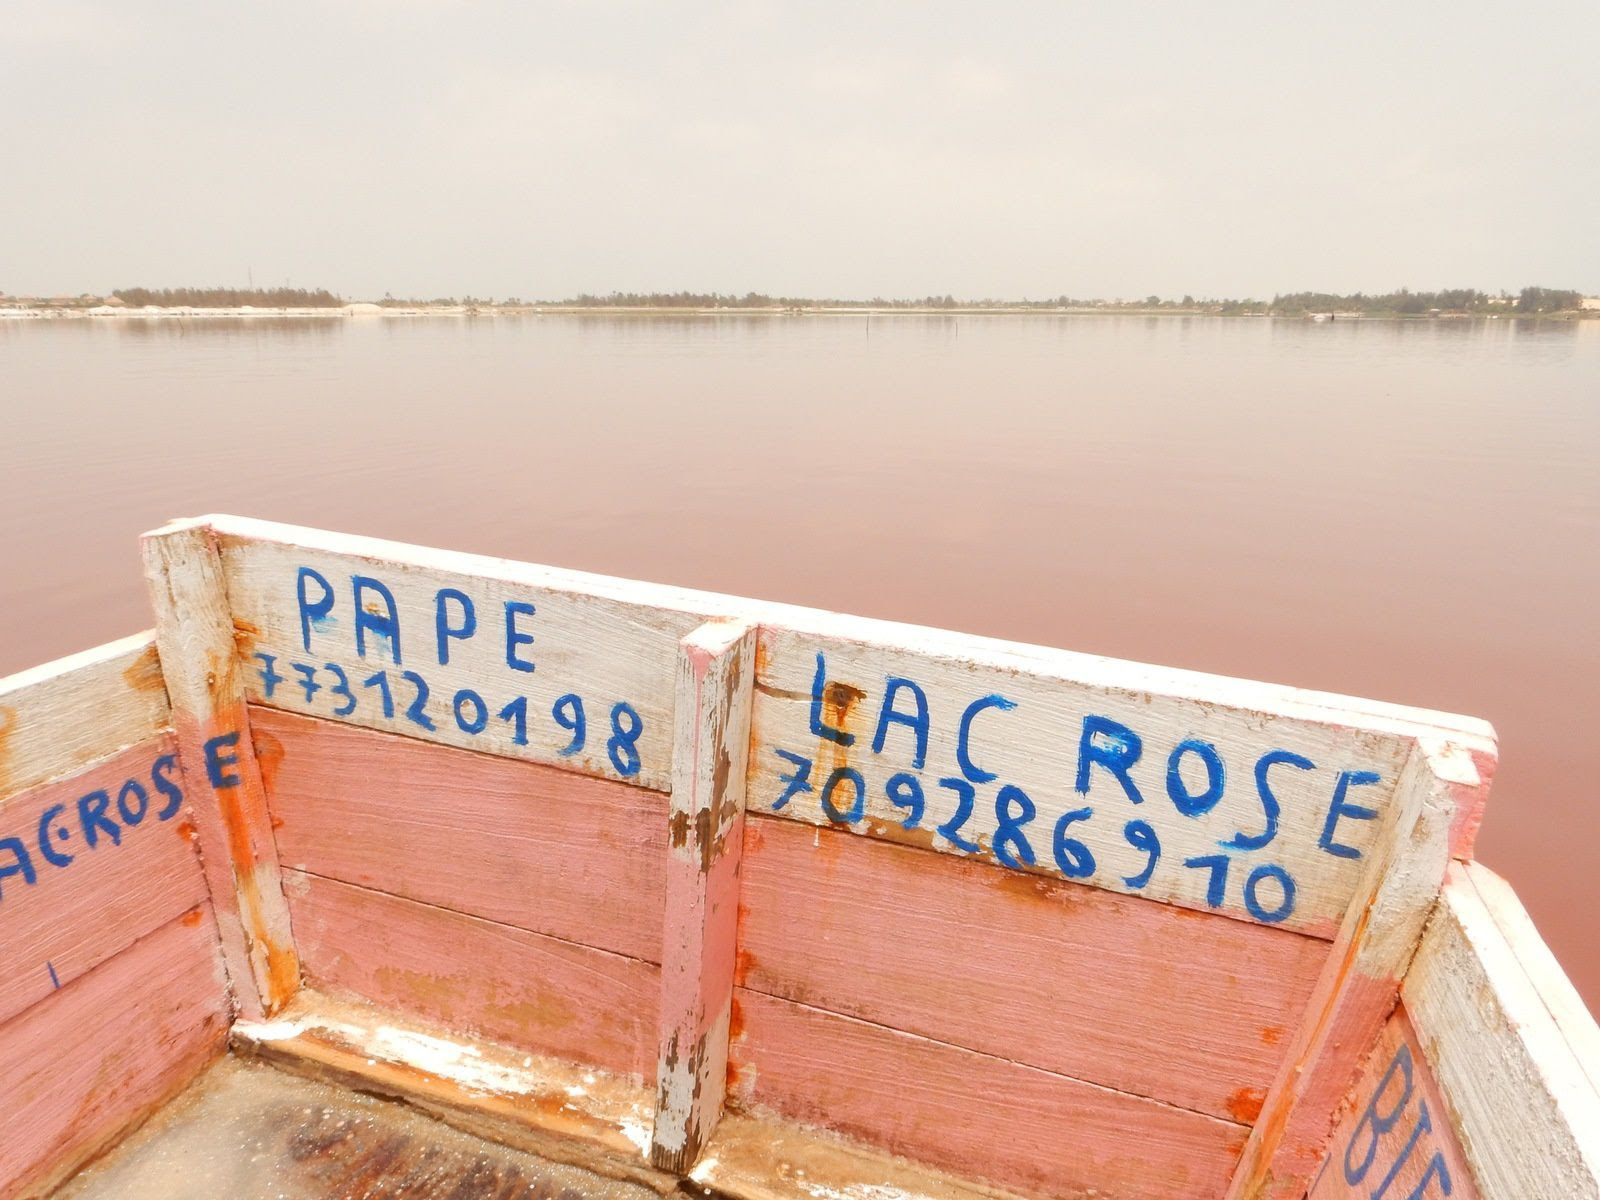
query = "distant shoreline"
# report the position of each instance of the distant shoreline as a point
(360, 311)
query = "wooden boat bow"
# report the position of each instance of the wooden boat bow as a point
(711, 893)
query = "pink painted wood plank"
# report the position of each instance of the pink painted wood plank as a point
(546, 850)
(87, 901)
(522, 989)
(98, 1056)
(979, 1117)
(1395, 1137)
(1189, 1008)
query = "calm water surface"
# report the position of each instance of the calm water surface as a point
(1404, 511)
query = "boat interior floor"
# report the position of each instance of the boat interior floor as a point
(247, 1131)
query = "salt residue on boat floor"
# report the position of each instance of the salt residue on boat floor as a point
(245, 1131)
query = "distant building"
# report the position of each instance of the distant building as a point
(1589, 303)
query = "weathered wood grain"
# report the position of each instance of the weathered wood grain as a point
(195, 638)
(1516, 1079)
(716, 668)
(1361, 980)
(756, 1158)
(562, 1112)
(980, 1117)
(68, 904)
(936, 751)
(1544, 973)
(550, 851)
(477, 977)
(477, 644)
(57, 719)
(88, 1062)
(1395, 1138)
(1188, 1008)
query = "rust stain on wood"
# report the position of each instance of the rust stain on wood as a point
(743, 963)
(143, 674)
(678, 829)
(283, 971)
(269, 757)
(1245, 1104)
(921, 837)
(245, 636)
(1035, 889)
(705, 837)
(838, 701)
(735, 1068)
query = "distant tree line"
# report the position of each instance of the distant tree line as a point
(1529, 301)
(228, 297)
(1404, 302)
(1408, 303)
(762, 300)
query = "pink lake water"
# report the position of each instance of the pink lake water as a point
(1407, 511)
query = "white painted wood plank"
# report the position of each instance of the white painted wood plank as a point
(64, 716)
(195, 638)
(1523, 1104)
(705, 842)
(236, 534)
(1560, 998)
(549, 675)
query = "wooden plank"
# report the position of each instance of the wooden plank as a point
(564, 1113)
(549, 851)
(1208, 804)
(477, 977)
(545, 674)
(1395, 1139)
(1560, 998)
(57, 719)
(811, 1165)
(89, 864)
(980, 1117)
(195, 637)
(1523, 1102)
(716, 668)
(97, 1057)
(1188, 1008)
(1361, 981)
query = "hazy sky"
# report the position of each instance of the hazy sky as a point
(431, 147)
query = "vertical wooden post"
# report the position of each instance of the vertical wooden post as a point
(711, 750)
(195, 638)
(1360, 986)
